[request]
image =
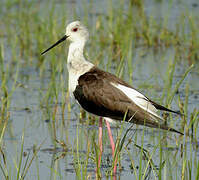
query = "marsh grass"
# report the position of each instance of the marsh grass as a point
(120, 35)
(22, 163)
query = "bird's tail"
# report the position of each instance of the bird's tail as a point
(155, 124)
(153, 121)
(162, 126)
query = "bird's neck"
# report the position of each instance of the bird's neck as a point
(76, 62)
(75, 52)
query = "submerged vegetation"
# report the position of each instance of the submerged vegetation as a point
(152, 44)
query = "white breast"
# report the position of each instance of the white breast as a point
(76, 69)
(73, 81)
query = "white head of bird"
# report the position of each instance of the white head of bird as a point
(77, 32)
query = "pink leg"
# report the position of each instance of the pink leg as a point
(112, 146)
(100, 141)
(110, 137)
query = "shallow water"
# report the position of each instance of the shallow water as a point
(29, 114)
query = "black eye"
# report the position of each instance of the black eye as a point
(74, 29)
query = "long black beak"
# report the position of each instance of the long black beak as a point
(61, 40)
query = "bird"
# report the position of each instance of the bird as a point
(103, 94)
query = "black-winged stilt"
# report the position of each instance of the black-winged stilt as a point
(102, 93)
